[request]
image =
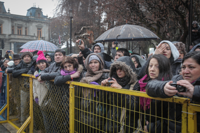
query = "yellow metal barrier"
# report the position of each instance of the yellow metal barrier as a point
(85, 108)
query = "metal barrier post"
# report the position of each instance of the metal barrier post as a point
(31, 105)
(8, 102)
(71, 109)
(184, 118)
(192, 119)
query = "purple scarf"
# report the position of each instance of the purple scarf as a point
(144, 101)
(64, 72)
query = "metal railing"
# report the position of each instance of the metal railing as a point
(84, 108)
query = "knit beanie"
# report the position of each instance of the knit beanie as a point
(93, 57)
(10, 63)
(27, 53)
(40, 56)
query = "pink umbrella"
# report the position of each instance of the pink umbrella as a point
(28, 50)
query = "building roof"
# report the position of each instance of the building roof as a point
(2, 5)
(34, 11)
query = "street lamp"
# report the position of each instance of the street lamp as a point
(71, 16)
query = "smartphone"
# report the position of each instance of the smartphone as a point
(80, 42)
(151, 50)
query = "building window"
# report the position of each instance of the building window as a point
(1, 28)
(38, 15)
(13, 30)
(26, 31)
(19, 30)
(39, 33)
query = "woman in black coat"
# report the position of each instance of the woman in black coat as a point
(190, 79)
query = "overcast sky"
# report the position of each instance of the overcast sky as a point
(20, 7)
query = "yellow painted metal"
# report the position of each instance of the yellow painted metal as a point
(31, 105)
(192, 118)
(16, 127)
(3, 122)
(3, 109)
(129, 92)
(23, 127)
(8, 88)
(184, 118)
(71, 108)
(14, 119)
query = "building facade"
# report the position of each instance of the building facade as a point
(16, 30)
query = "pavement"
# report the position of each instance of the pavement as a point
(3, 129)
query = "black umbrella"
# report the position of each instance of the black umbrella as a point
(127, 32)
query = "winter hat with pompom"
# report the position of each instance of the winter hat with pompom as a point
(40, 57)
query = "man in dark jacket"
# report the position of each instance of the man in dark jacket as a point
(24, 65)
(51, 72)
(16, 59)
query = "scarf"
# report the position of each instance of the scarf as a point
(144, 101)
(64, 72)
(122, 81)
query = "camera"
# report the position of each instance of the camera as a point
(8, 51)
(108, 83)
(179, 88)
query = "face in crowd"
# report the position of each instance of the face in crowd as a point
(118, 55)
(167, 51)
(135, 62)
(97, 49)
(42, 65)
(68, 67)
(120, 73)
(27, 59)
(48, 58)
(190, 70)
(153, 68)
(16, 62)
(5, 63)
(94, 65)
(59, 57)
(181, 54)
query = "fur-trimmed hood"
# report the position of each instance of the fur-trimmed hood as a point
(127, 69)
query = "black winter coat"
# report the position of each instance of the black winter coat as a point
(155, 88)
(51, 72)
(60, 79)
(10, 69)
(21, 68)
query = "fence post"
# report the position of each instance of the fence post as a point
(31, 105)
(192, 120)
(7, 98)
(184, 126)
(71, 108)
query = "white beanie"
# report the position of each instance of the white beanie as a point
(174, 50)
(10, 63)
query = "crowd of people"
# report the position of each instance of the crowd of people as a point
(169, 64)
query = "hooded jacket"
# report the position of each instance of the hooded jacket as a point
(114, 113)
(155, 88)
(21, 68)
(196, 46)
(141, 62)
(100, 45)
(51, 56)
(175, 65)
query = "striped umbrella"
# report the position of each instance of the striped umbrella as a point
(39, 45)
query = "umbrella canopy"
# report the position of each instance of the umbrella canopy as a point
(26, 50)
(127, 32)
(39, 45)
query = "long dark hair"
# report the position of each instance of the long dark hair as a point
(164, 67)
